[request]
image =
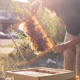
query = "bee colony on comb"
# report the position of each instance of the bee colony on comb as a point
(39, 40)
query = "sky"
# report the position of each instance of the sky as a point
(21, 0)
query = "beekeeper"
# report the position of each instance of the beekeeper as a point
(68, 12)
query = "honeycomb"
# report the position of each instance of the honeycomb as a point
(39, 39)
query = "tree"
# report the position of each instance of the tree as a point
(20, 9)
(52, 26)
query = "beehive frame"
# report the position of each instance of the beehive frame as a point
(18, 48)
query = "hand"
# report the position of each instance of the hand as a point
(35, 6)
(60, 48)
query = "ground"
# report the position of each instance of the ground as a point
(4, 48)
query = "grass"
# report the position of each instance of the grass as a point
(9, 63)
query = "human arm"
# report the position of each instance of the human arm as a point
(64, 46)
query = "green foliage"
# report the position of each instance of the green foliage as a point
(20, 9)
(24, 46)
(52, 26)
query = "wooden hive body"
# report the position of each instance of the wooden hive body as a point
(42, 74)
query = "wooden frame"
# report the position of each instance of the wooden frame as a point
(19, 49)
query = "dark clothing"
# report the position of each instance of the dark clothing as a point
(69, 12)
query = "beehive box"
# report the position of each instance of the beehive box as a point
(41, 74)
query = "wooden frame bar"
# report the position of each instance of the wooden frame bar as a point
(19, 49)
